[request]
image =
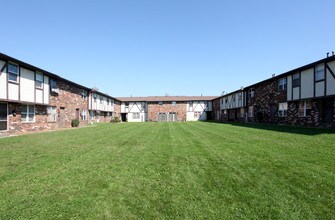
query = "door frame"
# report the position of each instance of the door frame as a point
(7, 117)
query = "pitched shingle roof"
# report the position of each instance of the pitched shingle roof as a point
(166, 98)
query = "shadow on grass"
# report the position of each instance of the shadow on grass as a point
(281, 128)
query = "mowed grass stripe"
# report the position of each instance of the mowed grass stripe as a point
(169, 170)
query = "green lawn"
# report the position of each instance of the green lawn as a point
(180, 170)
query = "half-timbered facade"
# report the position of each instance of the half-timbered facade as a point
(34, 99)
(166, 108)
(101, 107)
(303, 96)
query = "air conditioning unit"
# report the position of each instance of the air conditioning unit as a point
(55, 90)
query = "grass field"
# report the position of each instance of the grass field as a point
(189, 170)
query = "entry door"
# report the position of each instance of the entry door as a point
(3, 116)
(328, 111)
(61, 117)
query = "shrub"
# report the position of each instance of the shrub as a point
(116, 119)
(75, 122)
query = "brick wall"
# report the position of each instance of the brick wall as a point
(154, 108)
(117, 109)
(67, 102)
(265, 102)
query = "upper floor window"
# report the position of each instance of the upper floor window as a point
(101, 99)
(173, 103)
(319, 72)
(296, 80)
(240, 96)
(127, 104)
(39, 80)
(282, 85)
(53, 86)
(160, 103)
(95, 97)
(13, 72)
(143, 105)
(233, 98)
(251, 92)
(108, 101)
(83, 94)
(27, 113)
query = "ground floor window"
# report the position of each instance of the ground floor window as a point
(197, 114)
(251, 111)
(136, 115)
(242, 112)
(27, 113)
(305, 108)
(52, 114)
(83, 115)
(92, 115)
(282, 109)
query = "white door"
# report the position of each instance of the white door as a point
(3, 116)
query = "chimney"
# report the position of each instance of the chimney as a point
(273, 75)
(333, 53)
(327, 54)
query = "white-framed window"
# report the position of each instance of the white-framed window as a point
(39, 80)
(160, 103)
(53, 86)
(13, 72)
(240, 96)
(251, 111)
(197, 114)
(108, 101)
(101, 99)
(27, 113)
(319, 72)
(127, 104)
(282, 85)
(242, 112)
(95, 97)
(83, 94)
(296, 80)
(251, 92)
(143, 105)
(173, 103)
(52, 114)
(83, 115)
(136, 115)
(190, 106)
(92, 114)
(305, 108)
(282, 109)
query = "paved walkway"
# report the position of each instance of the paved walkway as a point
(2, 135)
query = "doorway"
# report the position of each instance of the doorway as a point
(3, 116)
(61, 117)
(123, 117)
(327, 111)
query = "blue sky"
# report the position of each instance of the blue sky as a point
(178, 47)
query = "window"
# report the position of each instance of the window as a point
(108, 101)
(234, 98)
(101, 99)
(160, 103)
(53, 86)
(296, 80)
(282, 84)
(173, 103)
(251, 111)
(28, 113)
(240, 96)
(242, 112)
(13, 72)
(83, 94)
(39, 81)
(251, 92)
(190, 107)
(83, 115)
(136, 115)
(319, 72)
(143, 105)
(52, 114)
(197, 114)
(305, 108)
(226, 100)
(282, 109)
(95, 97)
(92, 115)
(127, 104)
